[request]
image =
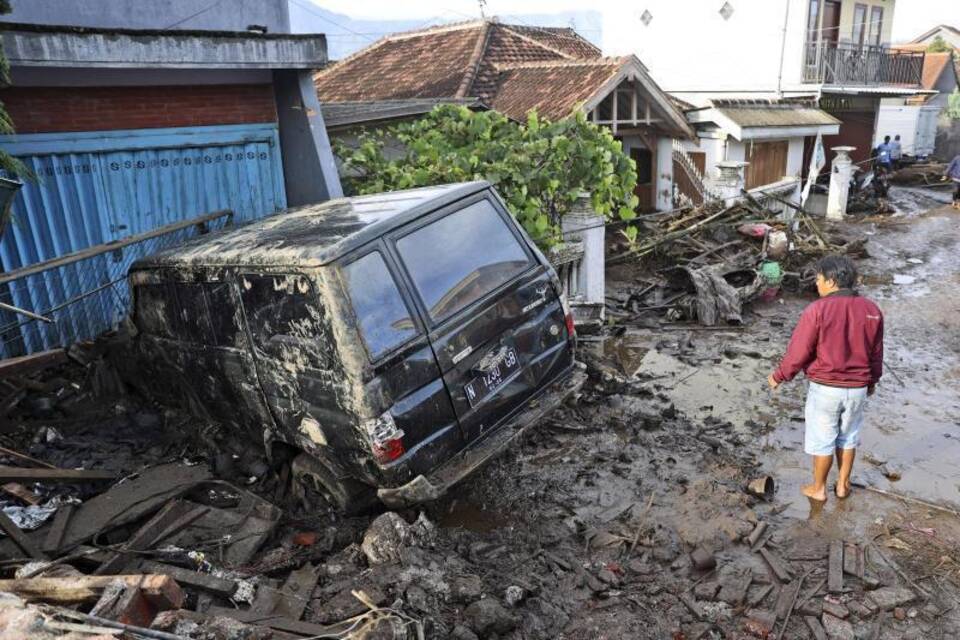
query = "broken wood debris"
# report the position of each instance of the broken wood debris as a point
(161, 590)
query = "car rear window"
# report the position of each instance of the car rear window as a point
(458, 259)
(197, 313)
(383, 317)
(286, 318)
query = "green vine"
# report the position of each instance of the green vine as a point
(7, 162)
(538, 167)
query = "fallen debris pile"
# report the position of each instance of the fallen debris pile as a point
(703, 264)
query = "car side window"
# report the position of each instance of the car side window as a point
(155, 310)
(458, 259)
(222, 311)
(382, 316)
(286, 318)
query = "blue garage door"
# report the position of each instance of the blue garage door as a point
(97, 187)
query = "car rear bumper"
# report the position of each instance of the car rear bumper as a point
(426, 488)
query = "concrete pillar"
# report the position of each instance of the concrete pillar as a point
(730, 182)
(583, 224)
(839, 183)
(309, 169)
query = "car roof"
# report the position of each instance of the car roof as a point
(312, 235)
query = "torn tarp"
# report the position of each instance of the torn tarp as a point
(717, 299)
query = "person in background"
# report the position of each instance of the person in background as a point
(953, 173)
(838, 344)
(896, 151)
(882, 155)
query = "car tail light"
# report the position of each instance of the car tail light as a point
(568, 317)
(386, 440)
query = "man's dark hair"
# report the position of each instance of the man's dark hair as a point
(886, 138)
(840, 269)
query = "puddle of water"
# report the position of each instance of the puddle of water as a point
(626, 352)
(464, 514)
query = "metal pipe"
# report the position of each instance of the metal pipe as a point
(783, 48)
(29, 314)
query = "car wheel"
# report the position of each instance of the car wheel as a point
(347, 495)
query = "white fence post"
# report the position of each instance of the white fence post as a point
(583, 225)
(730, 182)
(839, 183)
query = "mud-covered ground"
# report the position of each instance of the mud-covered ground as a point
(661, 462)
(585, 531)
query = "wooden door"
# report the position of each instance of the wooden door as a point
(768, 162)
(830, 30)
(646, 182)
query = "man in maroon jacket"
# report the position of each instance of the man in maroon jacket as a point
(838, 344)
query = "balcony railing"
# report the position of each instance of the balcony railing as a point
(849, 64)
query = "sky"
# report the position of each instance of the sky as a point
(911, 17)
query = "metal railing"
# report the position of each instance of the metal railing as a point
(867, 65)
(567, 261)
(80, 295)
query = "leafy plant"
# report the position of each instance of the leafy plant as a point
(953, 105)
(539, 167)
(7, 162)
(939, 45)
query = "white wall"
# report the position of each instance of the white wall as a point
(951, 38)
(664, 174)
(689, 47)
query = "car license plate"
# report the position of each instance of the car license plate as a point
(492, 379)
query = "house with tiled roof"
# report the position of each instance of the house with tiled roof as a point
(513, 69)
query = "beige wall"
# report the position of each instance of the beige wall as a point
(847, 10)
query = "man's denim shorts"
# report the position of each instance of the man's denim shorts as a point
(834, 416)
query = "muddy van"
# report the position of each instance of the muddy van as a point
(391, 343)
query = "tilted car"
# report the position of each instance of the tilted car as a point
(393, 342)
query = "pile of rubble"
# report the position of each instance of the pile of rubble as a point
(701, 265)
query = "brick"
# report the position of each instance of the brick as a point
(55, 109)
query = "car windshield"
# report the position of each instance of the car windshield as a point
(458, 259)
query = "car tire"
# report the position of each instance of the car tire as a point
(348, 496)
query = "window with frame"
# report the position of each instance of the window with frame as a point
(813, 21)
(155, 310)
(382, 316)
(286, 318)
(859, 23)
(876, 25)
(460, 258)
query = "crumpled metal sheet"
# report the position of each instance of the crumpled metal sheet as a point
(29, 518)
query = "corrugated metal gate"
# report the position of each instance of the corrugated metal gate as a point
(97, 187)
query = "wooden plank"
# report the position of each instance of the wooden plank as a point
(277, 622)
(51, 544)
(816, 629)
(143, 538)
(17, 490)
(20, 538)
(162, 591)
(786, 599)
(15, 474)
(853, 561)
(33, 362)
(835, 570)
(201, 581)
(132, 500)
(26, 458)
(296, 591)
(779, 567)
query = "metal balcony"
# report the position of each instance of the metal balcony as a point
(861, 65)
